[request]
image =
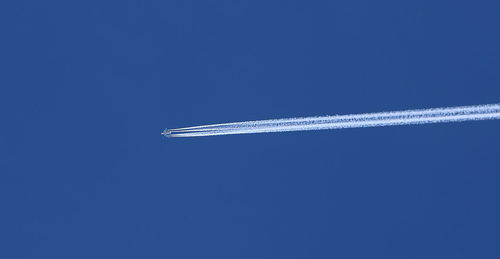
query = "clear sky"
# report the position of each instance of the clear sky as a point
(88, 86)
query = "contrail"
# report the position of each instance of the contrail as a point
(379, 119)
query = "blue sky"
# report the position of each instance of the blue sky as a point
(87, 88)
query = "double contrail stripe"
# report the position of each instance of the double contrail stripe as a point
(408, 117)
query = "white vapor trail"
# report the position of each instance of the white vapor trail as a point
(408, 117)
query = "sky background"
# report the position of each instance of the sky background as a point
(86, 87)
